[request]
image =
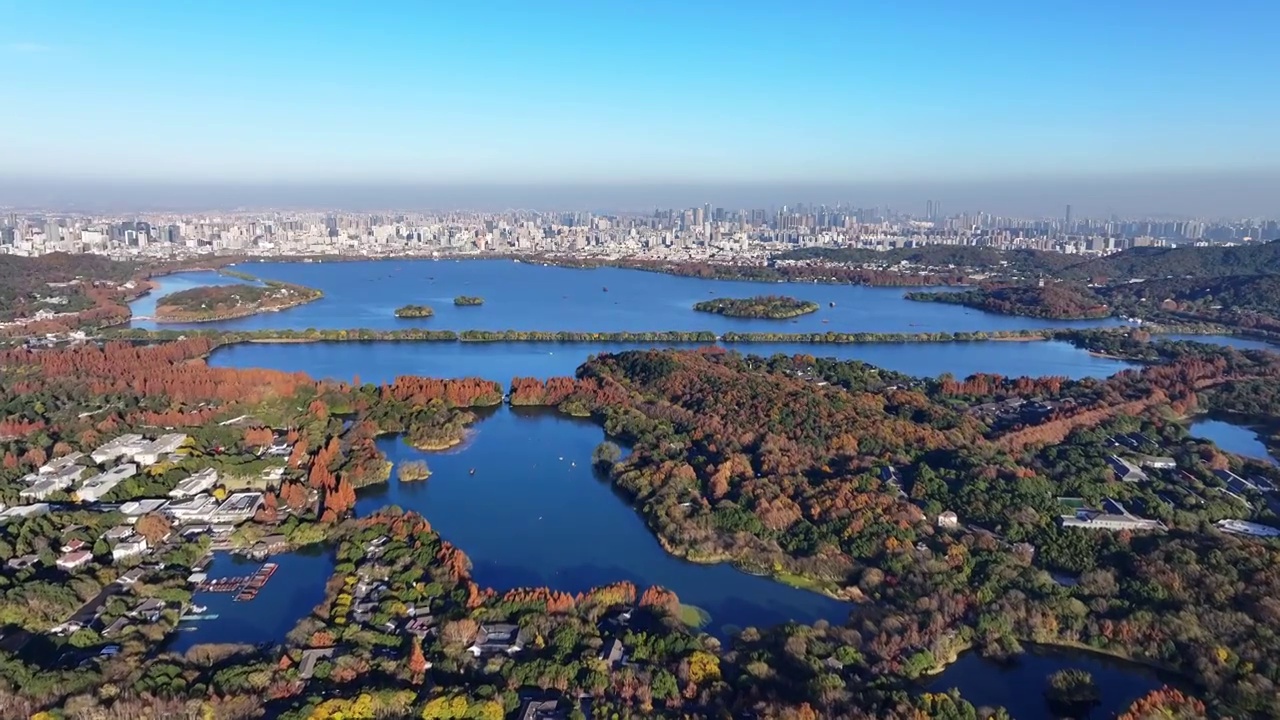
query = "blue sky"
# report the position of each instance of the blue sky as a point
(643, 92)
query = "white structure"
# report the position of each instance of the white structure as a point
(1158, 463)
(1242, 527)
(128, 549)
(60, 463)
(73, 560)
(138, 508)
(238, 507)
(948, 519)
(199, 509)
(158, 449)
(46, 487)
(125, 445)
(21, 512)
(197, 484)
(1114, 516)
(95, 487)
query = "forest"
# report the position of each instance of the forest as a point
(224, 302)
(773, 307)
(1051, 301)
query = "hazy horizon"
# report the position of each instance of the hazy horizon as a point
(1236, 195)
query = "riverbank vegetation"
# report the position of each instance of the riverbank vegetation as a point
(468, 301)
(772, 307)
(1053, 301)
(414, 311)
(226, 302)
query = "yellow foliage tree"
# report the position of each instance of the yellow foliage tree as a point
(703, 666)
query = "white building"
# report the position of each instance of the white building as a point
(99, 485)
(159, 448)
(200, 509)
(60, 463)
(128, 549)
(197, 484)
(948, 519)
(238, 507)
(138, 508)
(22, 512)
(46, 487)
(1114, 516)
(123, 446)
(1242, 527)
(73, 560)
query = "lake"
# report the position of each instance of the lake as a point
(535, 513)
(1238, 439)
(501, 361)
(1235, 341)
(525, 296)
(145, 306)
(291, 594)
(1019, 685)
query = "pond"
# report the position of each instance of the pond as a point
(535, 513)
(1019, 685)
(526, 296)
(1239, 439)
(292, 592)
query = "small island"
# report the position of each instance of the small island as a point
(414, 311)
(414, 470)
(226, 302)
(772, 307)
(468, 301)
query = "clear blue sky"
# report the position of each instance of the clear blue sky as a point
(653, 91)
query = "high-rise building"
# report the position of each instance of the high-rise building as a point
(1068, 217)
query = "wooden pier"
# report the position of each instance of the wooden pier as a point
(245, 587)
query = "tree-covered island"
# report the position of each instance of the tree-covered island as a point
(225, 302)
(414, 311)
(772, 307)
(468, 300)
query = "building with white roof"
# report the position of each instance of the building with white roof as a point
(238, 507)
(198, 509)
(123, 446)
(129, 548)
(137, 508)
(99, 485)
(159, 448)
(1243, 527)
(197, 484)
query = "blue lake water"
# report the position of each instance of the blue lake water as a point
(535, 513)
(1238, 439)
(1019, 686)
(524, 296)
(383, 361)
(1235, 341)
(292, 593)
(145, 306)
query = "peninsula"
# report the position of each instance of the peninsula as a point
(414, 311)
(773, 307)
(468, 300)
(226, 302)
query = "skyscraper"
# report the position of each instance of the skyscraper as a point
(1068, 223)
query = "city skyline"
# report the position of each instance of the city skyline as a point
(403, 95)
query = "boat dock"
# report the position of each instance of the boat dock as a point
(245, 587)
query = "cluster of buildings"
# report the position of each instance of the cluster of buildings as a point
(691, 233)
(1112, 516)
(66, 474)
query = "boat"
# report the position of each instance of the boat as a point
(606, 289)
(473, 471)
(197, 609)
(831, 304)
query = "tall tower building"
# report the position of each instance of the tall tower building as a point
(1068, 216)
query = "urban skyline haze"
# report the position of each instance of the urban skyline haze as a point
(1133, 107)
